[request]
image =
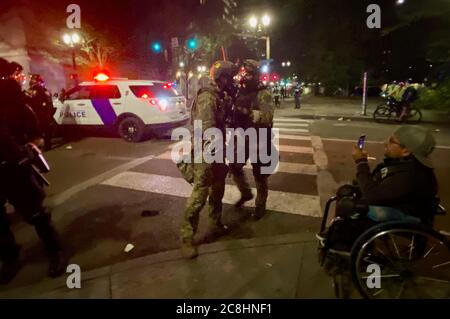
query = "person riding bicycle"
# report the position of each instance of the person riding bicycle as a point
(401, 188)
(409, 96)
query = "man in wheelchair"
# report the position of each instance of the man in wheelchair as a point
(402, 188)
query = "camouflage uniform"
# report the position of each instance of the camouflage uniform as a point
(253, 108)
(209, 179)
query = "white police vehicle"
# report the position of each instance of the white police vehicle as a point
(131, 107)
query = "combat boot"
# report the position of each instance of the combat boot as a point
(58, 264)
(216, 231)
(188, 249)
(244, 198)
(258, 213)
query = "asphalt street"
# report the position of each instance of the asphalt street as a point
(106, 193)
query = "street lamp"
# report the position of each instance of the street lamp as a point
(256, 23)
(72, 40)
(253, 21)
(265, 20)
(400, 2)
(181, 64)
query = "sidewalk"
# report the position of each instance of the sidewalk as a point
(284, 266)
(332, 108)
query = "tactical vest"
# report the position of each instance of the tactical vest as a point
(219, 112)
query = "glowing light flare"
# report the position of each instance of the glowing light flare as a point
(101, 77)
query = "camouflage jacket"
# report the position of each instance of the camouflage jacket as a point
(207, 108)
(248, 104)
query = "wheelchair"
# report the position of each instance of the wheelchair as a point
(390, 260)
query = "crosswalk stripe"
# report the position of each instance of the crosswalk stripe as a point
(283, 124)
(296, 149)
(281, 148)
(295, 137)
(284, 167)
(291, 203)
(294, 168)
(287, 119)
(299, 130)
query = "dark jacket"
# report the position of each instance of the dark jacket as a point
(404, 184)
(18, 123)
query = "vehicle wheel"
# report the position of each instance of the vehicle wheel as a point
(413, 262)
(415, 116)
(381, 112)
(131, 129)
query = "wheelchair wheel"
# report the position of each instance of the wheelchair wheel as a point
(399, 260)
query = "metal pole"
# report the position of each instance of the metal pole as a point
(364, 95)
(267, 47)
(73, 60)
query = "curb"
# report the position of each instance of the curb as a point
(168, 256)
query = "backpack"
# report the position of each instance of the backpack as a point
(186, 165)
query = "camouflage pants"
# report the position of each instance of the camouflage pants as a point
(209, 184)
(261, 180)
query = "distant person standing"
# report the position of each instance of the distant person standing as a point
(283, 92)
(297, 95)
(277, 95)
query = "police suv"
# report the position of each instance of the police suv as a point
(131, 107)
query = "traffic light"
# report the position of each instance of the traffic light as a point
(156, 47)
(192, 44)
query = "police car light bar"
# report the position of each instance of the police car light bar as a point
(101, 77)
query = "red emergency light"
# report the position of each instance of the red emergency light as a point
(101, 77)
(167, 85)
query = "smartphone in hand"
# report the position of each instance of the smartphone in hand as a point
(361, 142)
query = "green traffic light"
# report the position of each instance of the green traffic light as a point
(156, 47)
(192, 44)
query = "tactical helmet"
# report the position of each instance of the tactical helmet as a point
(9, 69)
(36, 79)
(251, 66)
(223, 68)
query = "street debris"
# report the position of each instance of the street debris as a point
(370, 158)
(340, 119)
(149, 213)
(68, 147)
(128, 248)
(437, 130)
(269, 265)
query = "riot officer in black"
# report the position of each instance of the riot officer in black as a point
(40, 101)
(19, 184)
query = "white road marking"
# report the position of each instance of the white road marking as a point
(291, 203)
(284, 167)
(282, 125)
(298, 130)
(288, 119)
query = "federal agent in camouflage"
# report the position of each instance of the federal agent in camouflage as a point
(253, 108)
(208, 179)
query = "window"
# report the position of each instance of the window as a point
(79, 93)
(105, 92)
(156, 90)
